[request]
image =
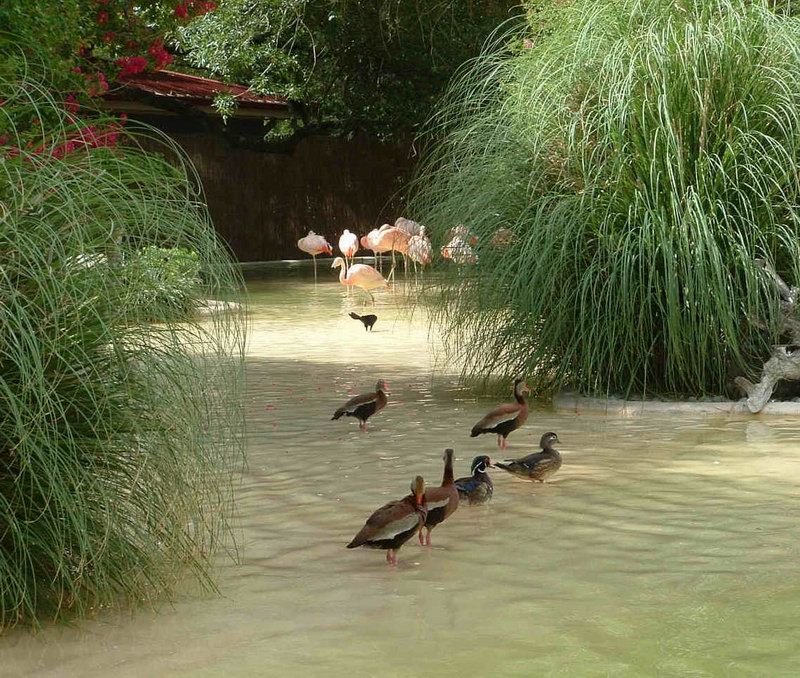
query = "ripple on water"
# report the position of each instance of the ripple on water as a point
(664, 546)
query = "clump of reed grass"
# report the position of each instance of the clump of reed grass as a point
(118, 435)
(644, 153)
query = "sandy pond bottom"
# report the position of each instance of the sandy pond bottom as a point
(665, 546)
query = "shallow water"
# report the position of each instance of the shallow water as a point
(664, 546)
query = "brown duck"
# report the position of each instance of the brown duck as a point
(363, 406)
(440, 501)
(539, 465)
(393, 524)
(505, 418)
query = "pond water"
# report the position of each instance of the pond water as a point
(664, 546)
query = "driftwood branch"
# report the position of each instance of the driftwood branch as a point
(784, 363)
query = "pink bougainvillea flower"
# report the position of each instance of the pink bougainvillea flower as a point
(131, 66)
(182, 10)
(71, 104)
(102, 17)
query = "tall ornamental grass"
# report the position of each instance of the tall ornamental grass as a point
(643, 153)
(119, 417)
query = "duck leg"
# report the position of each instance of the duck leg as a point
(428, 536)
(391, 557)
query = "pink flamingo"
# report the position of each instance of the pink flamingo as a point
(392, 239)
(419, 249)
(408, 226)
(314, 244)
(368, 243)
(459, 251)
(348, 245)
(359, 275)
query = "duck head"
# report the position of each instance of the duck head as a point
(548, 439)
(382, 386)
(520, 387)
(418, 490)
(480, 464)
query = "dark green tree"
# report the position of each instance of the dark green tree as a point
(352, 65)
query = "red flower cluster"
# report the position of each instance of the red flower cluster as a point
(131, 66)
(187, 8)
(84, 138)
(159, 55)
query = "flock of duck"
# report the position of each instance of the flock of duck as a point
(393, 524)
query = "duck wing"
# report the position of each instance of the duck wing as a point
(523, 464)
(354, 403)
(467, 485)
(388, 521)
(498, 415)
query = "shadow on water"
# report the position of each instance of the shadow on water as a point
(664, 546)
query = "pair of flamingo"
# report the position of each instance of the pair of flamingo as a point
(356, 275)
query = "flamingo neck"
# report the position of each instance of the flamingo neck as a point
(342, 274)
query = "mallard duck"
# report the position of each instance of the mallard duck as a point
(441, 501)
(393, 524)
(539, 465)
(505, 418)
(477, 488)
(363, 406)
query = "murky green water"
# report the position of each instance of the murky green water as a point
(664, 546)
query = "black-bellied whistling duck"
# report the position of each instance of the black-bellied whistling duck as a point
(477, 488)
(441, 501)
(539, 465)
(505, 418)
(393, 524)
(369, 320)
(363, 406)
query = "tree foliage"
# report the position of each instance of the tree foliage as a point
(377, 66)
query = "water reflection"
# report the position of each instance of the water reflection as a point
(663, 546)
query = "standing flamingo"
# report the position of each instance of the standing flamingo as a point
(314, 244)
(368, 243)
(392, 239)
(348, 246)
(459, 251)
(359, 275)
(419, 250)
(408, 226)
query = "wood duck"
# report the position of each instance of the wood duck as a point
(441, 501)
(393, 524)
(368, 320)
(539, 465)
(505, 418)
(363, 406)
(477, 488)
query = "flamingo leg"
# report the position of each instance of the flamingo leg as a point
(314, 257)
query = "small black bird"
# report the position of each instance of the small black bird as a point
(368, 320)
